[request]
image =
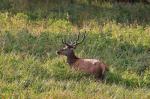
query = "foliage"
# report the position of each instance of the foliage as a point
(29, 66)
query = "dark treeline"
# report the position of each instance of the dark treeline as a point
(22, 4)
(78, 11)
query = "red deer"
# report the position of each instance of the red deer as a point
(91, 66)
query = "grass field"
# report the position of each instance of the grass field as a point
(118, 34)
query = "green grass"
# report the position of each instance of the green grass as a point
(30, 68)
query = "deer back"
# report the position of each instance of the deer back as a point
(93, 66)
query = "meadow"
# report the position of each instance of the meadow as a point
(118, 34)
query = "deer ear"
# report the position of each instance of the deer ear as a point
(74, 47)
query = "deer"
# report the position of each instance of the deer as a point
(94, 67)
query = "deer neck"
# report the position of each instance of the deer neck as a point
(71, 58)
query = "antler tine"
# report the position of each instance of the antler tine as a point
(75, 42)
(71, 41)
(78, 37)
(83, 38)
(64, 42)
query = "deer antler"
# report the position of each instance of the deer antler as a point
(64, 42)
(76, 42)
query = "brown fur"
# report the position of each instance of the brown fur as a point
(91, 66)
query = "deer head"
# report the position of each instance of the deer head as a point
(71, 45)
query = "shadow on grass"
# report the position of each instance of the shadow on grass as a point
(115, 78)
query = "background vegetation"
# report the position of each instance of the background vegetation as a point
(31, 32)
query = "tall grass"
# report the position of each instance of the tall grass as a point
(30, 68)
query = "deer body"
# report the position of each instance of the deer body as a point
(91, 66)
